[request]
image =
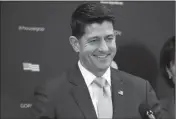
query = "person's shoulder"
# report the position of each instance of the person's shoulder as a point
(128, 76)
(133, 83)
(57, 80)
(55, 83)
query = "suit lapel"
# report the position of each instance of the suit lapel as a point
(117, 95)
(82, 97)
(81, 94)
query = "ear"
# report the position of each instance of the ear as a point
(114, 65)
(169, 72)
(74, 43)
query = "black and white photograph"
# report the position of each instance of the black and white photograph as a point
(104, 59)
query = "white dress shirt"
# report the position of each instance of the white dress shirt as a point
(89, 78)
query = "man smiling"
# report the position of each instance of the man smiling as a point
(97, 47)
(92, 89)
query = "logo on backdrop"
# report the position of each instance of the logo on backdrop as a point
(111, 2)
(31, 28)
(31, 67)
(118, 32)
(25, 104)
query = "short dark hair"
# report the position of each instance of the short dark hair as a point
(88, 13)
(167, 55)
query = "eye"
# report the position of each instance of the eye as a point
(93, 40)
(110, 38)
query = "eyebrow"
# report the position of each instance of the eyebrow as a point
(99, 37)
(94, 37)
(109, 35)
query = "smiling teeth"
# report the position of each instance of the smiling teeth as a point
(102, 56)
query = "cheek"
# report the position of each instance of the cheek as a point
(86, 51)
(113, 48)
(173, 69)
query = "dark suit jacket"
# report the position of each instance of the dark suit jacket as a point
(68, 97)
(169, 105)
(167, 98)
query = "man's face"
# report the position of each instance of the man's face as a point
(173, 71)
(97, 47)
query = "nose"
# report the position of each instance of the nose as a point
(103, 46)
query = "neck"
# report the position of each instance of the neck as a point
(97, 73)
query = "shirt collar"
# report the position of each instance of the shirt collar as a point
(89, 77)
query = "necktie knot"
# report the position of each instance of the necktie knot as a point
(101, 82)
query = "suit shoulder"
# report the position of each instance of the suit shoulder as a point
(51, 85)
(130, 78)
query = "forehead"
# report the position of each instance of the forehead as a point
(97, 29)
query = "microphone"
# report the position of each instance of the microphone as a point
(146, 112)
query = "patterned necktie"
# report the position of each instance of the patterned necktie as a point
(104, 105)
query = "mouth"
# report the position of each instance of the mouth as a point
(101, 56)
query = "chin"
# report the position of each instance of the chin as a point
(105, 67)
